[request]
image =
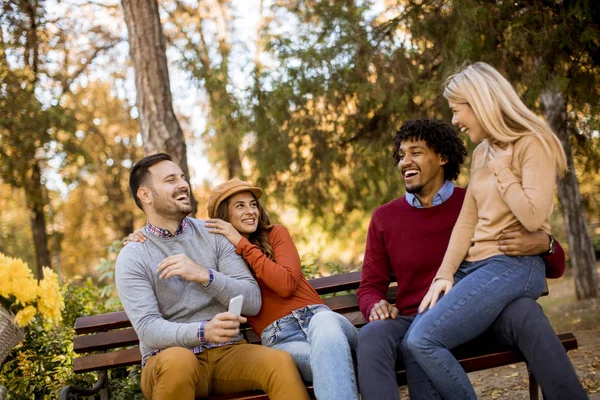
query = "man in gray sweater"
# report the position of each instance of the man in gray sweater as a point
(175, 288)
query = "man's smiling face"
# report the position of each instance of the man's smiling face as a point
(170, 190)
(421, 167)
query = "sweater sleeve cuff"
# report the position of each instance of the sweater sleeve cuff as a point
(211, 277)
(504, 177)
(201, 332)
(242, 245)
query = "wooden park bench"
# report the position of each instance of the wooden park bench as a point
(108, 341)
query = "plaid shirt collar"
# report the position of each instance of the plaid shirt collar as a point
(164, 233)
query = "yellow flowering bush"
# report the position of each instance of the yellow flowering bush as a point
(21, 294)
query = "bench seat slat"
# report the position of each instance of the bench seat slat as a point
(475, 362)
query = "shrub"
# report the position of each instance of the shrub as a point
(42, 364)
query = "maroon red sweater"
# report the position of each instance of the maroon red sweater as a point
(410, 243)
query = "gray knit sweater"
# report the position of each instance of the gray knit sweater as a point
(166, 312)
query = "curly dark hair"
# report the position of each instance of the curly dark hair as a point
(260, 237)
(440, 137)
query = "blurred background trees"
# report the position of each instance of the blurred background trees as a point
(300, 97)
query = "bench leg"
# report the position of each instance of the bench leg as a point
(100, 388)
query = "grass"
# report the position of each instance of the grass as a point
(565, 312)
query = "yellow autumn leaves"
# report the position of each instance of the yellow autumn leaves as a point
(21, 292)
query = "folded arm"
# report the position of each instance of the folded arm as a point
(531, 198)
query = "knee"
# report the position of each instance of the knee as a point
(280, 361)
(414, 343)
(326, 324)
(177, 362)
(372, 338)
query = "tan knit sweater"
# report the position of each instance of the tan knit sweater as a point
(498, 197)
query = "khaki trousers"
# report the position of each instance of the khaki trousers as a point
(177, 373)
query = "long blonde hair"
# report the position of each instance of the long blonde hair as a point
(499, 109)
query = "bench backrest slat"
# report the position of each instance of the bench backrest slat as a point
(336, 283)
(105, 341)
(97, 362)
(101, 322)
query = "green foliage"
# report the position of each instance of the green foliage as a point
(15, 231)
(327, 114)
(316, 269)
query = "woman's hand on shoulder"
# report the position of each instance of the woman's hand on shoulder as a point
(498, 156)
(224, 228)
(136, 236)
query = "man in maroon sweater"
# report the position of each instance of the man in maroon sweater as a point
(407, 238)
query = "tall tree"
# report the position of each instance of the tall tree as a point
(37, 69)
(27, 126)
(582, 254)
(160, 128)
(199, 31)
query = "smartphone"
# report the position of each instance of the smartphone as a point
(235, 305)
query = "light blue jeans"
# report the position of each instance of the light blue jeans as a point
(322, 343)
(482, 290)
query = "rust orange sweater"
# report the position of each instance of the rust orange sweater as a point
(283, 287)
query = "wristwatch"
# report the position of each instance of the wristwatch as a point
(552, 248)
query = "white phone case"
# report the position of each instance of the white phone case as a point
(235, 305)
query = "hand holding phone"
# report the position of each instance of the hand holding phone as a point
(235, 305)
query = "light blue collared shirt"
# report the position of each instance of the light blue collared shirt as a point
(441, 196)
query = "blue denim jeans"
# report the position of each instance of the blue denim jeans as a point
(322, 343)
(482, 290)
(522, 325)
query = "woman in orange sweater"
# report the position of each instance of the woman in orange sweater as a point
(513, 176)
(292, 317)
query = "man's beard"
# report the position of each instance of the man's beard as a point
(170, 208)
(415, 189)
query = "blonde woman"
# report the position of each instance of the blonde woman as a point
(513, 175)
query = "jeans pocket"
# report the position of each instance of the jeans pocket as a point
(269, 336)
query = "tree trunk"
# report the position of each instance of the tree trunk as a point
(581, 251)
(234, 164)
(160, 129)
(35, 203)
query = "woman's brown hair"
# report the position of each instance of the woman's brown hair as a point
(258, 238)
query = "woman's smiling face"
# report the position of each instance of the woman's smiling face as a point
(242, 209)
(464, 118)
